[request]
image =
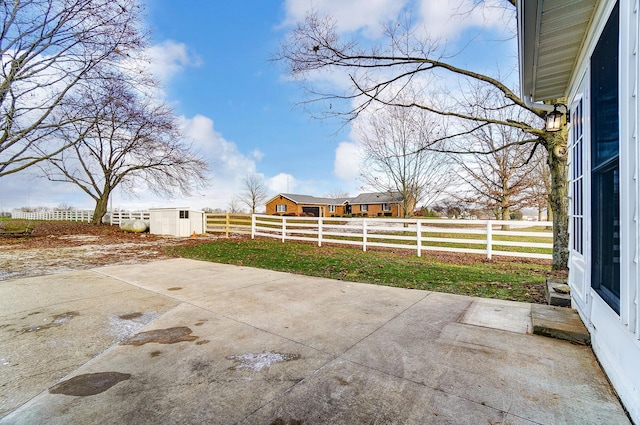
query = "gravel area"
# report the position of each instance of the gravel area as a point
(60, 246)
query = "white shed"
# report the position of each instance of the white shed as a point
(176, 221)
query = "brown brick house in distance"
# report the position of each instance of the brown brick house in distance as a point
(363, 205)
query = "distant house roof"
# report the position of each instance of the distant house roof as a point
(376, 198)
(363, 198)
(303, 199)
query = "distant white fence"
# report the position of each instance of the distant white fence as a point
(524, 239)
(79, 215)
(71, 215)
(118, 216)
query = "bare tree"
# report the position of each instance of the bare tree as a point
(378, 73)
(500, 180)
(235, 206)
(337, 194)
(538, 193)
(392, 141)
(254, 192)
(125, 140)
(47, 48)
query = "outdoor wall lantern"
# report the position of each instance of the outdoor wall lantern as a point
(554, 118)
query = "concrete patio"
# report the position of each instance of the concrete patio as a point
(183, 341)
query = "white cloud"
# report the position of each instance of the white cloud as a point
(282, 183)
(449, 19)
(228, 166)
(168, 58)
(352, 15)
(440, 19)
(257, 155)
(347, 162)
(224, 157)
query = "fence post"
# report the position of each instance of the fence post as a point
(253, 226)
(489, 229)
(364, 234)
(227, 227)
(319, 231)
(419, 237)
(284, 228)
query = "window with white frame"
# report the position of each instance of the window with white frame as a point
(332, 208)
(386, 207)
(364, 207)
(281, 208)
(605, 164)
(576, 179)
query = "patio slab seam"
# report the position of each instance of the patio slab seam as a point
(172, 296)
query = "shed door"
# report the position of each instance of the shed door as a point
(184, 224)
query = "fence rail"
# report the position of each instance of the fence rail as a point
(228, 223)
(117, 216)
(487, 237)
(79, 215)
(75, 215)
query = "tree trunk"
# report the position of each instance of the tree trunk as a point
(506, 215)
(101, 209)
(558, 197)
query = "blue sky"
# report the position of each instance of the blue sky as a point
(213, 58)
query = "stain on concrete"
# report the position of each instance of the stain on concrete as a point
(199, 366)
(258, 361)
(161, 336)
(175, 288)
(89, 384)
(130, 316)
(202, 341)
(155, 353)
(280, 421)
(342, 381)
(57, 320)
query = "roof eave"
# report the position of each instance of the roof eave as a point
(551, 34)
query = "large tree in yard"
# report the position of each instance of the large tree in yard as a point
(47, 48)
(394, 162)
(122, 138)
(500, 171)
(378, 72)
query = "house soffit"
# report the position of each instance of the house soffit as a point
(551, 35)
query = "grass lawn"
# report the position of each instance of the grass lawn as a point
(465, 274)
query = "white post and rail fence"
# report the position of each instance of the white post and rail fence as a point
(487, 237)
(530, 239)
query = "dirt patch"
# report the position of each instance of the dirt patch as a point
(61, 246)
